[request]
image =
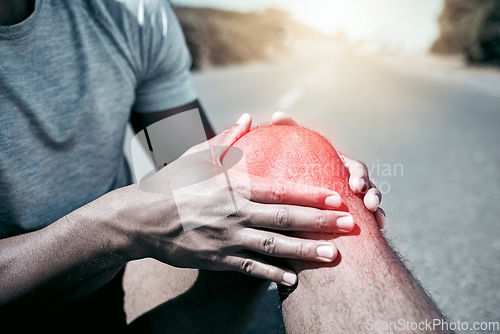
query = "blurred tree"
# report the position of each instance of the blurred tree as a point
(218, 37)
(470, 27)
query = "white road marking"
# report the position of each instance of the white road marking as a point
(140, 12)
(289, 98)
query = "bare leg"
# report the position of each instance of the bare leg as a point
(367, 286)
(160, 298)
(148, 283)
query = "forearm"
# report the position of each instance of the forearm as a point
(71, 257)
(366, 284)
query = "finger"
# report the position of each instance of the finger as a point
(380, 217)
(233, 133)
(294, 218)
(372, 199)
(281, 118)
(262, 270)
(359, 179)
(224, 139)
(277, 245)
(221, 143)
(264, 190)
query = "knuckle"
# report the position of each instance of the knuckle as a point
(228, 130)
(268, 244)
(308, 191)
(361, 166)
(213, 258)
(239, 188)
(278, 192)
(281, 218)
(269, 272)
(301, 250)
(243, 215)
(247, 266)
(226, 188)
(321, 222)
(274, 274)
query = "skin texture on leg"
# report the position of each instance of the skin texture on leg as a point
(367, 286)
(148, 283)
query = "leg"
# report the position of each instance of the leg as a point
(161, 298)
(148, 283)
(367, 284)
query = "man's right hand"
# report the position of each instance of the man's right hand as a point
(241, 225)
(238, 219)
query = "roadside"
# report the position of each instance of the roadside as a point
(447, 69)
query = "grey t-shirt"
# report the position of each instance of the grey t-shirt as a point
(69, 76)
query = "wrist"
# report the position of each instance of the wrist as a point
(107, 220)
(129, 215)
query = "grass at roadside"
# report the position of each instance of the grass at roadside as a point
(218, 37)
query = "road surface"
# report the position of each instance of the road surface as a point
(430, 136)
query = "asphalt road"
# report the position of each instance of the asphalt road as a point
(430, 136)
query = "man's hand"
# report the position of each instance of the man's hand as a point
(359, 180)
(232, 221)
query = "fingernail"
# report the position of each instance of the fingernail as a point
(279, 112)
(289, 278)
(325, 251)
(333, 201)
(371, 202)
(345, 223)
(362, 185)
(382, 221)
(381, 218)
(383, 212)
(242, 118)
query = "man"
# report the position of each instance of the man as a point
(71, 72)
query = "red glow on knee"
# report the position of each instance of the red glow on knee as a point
(293, 153)
(297, 154)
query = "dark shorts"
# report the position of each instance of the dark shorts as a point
(100, 312)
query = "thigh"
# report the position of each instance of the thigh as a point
(148, 283)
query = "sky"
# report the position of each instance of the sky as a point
(405, 25)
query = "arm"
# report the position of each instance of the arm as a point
(220, 301)
(77, 254)
(68, 259)
(168, 298)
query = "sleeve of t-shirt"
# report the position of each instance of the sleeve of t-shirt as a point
(164, 80)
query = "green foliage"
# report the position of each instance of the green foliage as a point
(470, 27)
(218, 37)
